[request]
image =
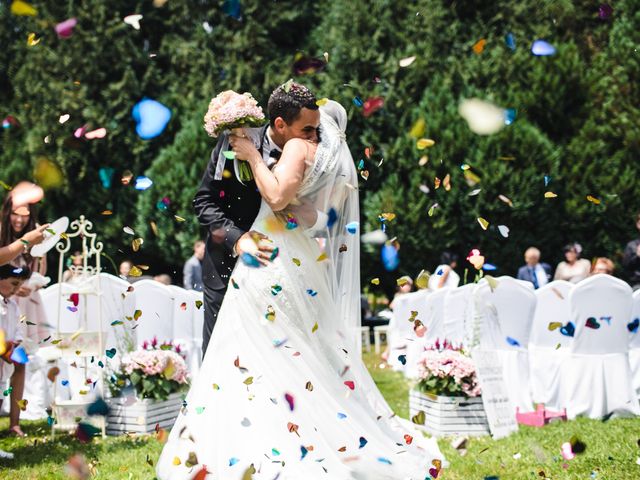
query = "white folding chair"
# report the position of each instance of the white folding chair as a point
(634, 342)
(505, 315)
(155, 302)
(456, 313)
(183, 332)
(434, 320)
(400, 334)
(596, 377)
(197, 299)
(548, 349)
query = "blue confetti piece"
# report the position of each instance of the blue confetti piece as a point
(357, 101)
(19, 355)
(547, 180)
(363, 442)
(402, 359)
(233, 9)
(142, 183)
(303, 452)
(440, 272)
(233, 461)
(249, 260)
(568, 330)
(513, 342)
(510, 116)
(489, 267)
(313, 293)
(633, 326)
(341, 416)
(384, 460)
(361, 164)
(332, 217)
(542, 48)
(352, 227)
(151, 118)
(65, 383)
(510, 40)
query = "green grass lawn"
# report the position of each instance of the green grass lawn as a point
(611, 453)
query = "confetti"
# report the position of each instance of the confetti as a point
(424, 143)
(314, 328)
(133, 20)
(99, 133)
(296, 261)
(550, 195)
(350, 384)
(290, 401)
(65, 29)
(510, 41)
(478, 47)
(271, 314)
(593, 200)
(418, 129)
(504, 230)
(32, 41)
(405, 62)
(483, 118)
(513, 342)
(375, 281)
(151, 118)
(483, 223)
(111, 352)
(143, 183)
(553, 326)
(363, 442)
(542, 48)
(21, 8)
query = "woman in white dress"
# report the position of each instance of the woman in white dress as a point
(282, 392)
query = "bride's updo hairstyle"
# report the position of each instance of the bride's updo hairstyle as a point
(287, 100)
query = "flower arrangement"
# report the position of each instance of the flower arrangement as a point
(152, 372)
(230, 110)
(447, 371)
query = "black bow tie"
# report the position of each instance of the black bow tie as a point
(275, 153)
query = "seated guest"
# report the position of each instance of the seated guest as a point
(13, 333)
(602, 265)
(72, 273)
(534, 271)
(445, 275)
(574, 268)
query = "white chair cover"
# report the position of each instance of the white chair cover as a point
(400, 335)
(183, 327)
(596, 378)
(505, 316)
(197, 298)
(434, 321)
(155, 301)
(457, 310)
(548, 349)
(634, 343)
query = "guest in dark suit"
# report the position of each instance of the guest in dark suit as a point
(535, 272)
(227, 208)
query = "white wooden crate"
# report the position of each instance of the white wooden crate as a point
(449, 415)
(143, 415)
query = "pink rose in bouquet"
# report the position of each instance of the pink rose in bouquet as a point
(448, 372)
(230, 110)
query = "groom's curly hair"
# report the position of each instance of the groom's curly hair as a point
(287, 100)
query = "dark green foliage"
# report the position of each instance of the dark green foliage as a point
(577, 115)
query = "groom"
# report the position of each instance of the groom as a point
(228, 208)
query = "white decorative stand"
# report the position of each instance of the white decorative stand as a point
(80, 341)
(142, 416)
(449, 415)
(379, 332)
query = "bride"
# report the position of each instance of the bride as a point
(282, 392)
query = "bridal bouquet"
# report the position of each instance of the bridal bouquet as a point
(152, 372)
(230, 110)
(447, 372)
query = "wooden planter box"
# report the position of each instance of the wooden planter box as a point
(143, 415)
(449, 415)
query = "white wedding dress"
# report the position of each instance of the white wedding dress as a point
(282, 392)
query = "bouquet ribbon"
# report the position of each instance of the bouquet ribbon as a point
(254, 134)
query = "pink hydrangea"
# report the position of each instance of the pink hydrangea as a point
(155, 362)
(230, 110)
(450, 363)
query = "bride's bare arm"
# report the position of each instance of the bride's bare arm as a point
(277, 187)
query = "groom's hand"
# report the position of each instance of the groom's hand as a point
(244, 148)
(256, 244)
